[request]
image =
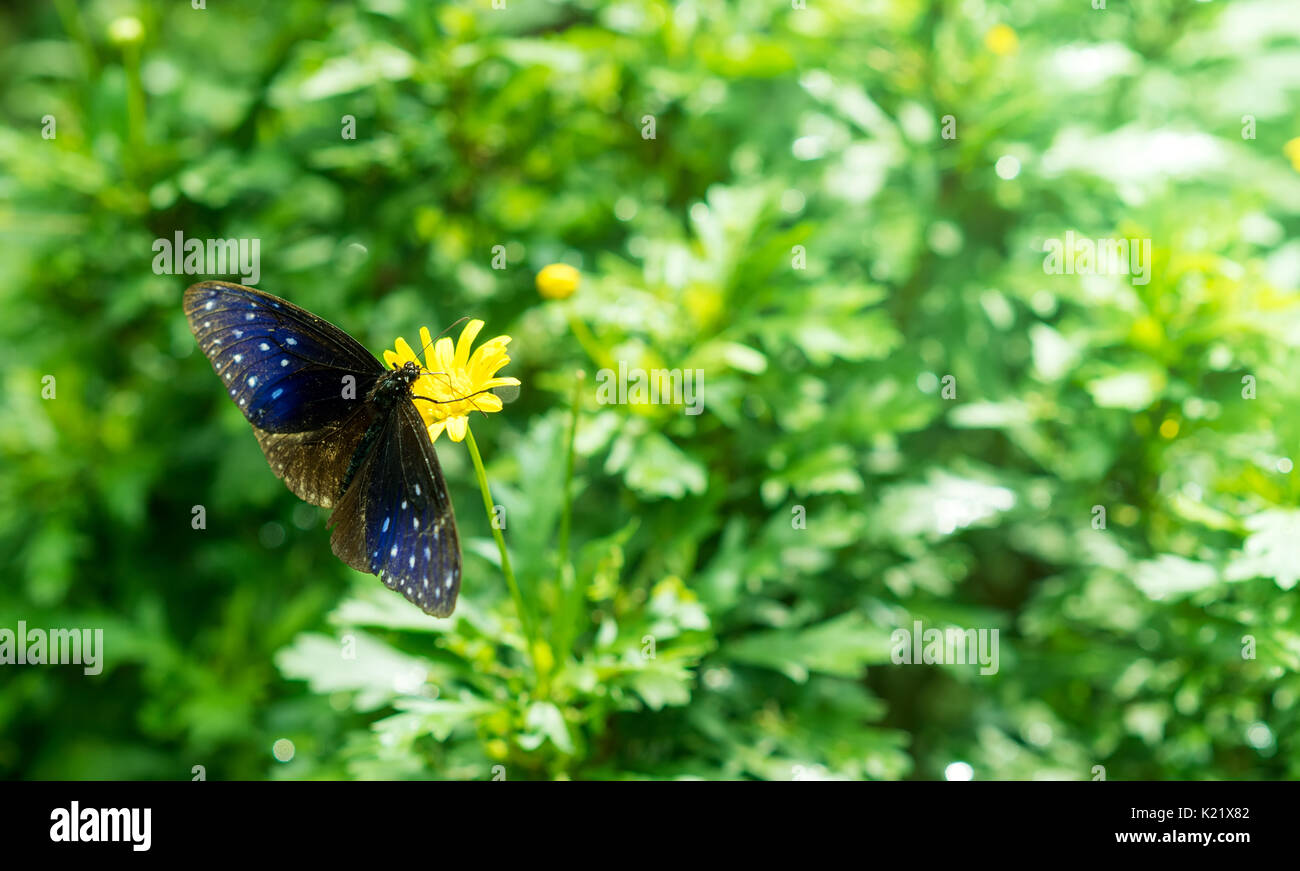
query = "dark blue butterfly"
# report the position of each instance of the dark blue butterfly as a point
(341, 431)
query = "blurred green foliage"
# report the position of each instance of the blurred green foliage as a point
(1163, 404)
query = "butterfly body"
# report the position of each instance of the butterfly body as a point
(341, 431)
(390, 389)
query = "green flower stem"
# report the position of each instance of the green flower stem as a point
(135, 102)
(566, 581)
(566, 518)
(594, 350)
(74, 24)
(525, 615)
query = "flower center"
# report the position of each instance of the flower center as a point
(452, 390)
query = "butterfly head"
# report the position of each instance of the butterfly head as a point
(396, 383)
(409, 372)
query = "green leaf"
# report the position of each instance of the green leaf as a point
(1272, 550)
(655, 467)
(663, 683)
(358, 663)
(1170, 576)
(842, 646)
(1132, 391)
(436, 717)
(544, 721)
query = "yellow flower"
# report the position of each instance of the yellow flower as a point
(455, 380)
(1001, 39)
(558, 281)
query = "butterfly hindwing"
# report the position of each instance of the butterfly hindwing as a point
(396, 518)
(286, 369)
(314, 464)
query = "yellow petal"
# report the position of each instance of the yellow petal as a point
(456, 427)
(488, 351)
(404, 351)
(467, 337)
(490, 348)
(390, 359)
(485, 402)
(435, 430)
(422, 408)
(500, 382)
(444, 360)
(436, 385)
(426, 340)
(485, 364)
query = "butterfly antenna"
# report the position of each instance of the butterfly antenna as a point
(439, 336)
(475, 404)
(469, 398)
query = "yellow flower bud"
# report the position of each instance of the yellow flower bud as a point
(1292, 151)
(543, 659)
(558, 281)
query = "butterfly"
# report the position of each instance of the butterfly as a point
(342, 432)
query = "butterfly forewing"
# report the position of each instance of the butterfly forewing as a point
(286, 369)
(307, 388)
